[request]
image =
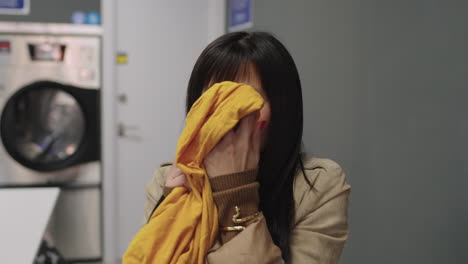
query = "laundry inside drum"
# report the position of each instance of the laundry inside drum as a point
(49, 125)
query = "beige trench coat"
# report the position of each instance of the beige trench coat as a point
(320, 226)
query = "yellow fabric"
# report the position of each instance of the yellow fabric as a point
(183, 228)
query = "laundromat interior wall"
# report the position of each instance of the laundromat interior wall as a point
(385, 95)
(54, 11)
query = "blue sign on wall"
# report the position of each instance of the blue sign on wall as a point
(93, 18)
(14, 6)
(78, 17)
(240, 14)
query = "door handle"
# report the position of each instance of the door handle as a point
(128, 131)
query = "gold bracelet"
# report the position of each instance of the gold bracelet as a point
(231, 228)
(237, 220)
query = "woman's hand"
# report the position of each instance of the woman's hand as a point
(237, 151)
(176, 178)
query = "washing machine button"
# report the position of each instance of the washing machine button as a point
(87, 75)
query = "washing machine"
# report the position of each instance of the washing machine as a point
(50, 131)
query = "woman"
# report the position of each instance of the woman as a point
(293, 206)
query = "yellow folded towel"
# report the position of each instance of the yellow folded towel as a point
(184, 226)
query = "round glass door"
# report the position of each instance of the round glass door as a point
(43, 125)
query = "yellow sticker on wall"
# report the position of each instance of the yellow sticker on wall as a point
(121, 58)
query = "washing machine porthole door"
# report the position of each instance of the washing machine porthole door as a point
(45, 126)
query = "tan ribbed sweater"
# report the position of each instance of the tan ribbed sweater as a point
(319, 229)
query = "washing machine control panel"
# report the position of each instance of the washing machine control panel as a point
(47, 52)
(5, 47)
(73, 60)
(5, 50)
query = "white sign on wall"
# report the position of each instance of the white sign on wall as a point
(14, 7)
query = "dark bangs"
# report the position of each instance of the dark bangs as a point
(225, 59)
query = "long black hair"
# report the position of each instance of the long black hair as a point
(224, 60)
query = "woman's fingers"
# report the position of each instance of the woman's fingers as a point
(175, 181)
(246, 127)
(176, 178)
(178, 181)
(225, 141)
(235, 151)
(182, 181)
(256, 136)
(173, 172)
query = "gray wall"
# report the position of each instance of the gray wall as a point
(54, 11)
(385, 90)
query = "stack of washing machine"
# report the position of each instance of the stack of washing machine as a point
(50, 83)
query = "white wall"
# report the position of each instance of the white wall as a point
(162, 39)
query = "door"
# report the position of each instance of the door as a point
(162, 41)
